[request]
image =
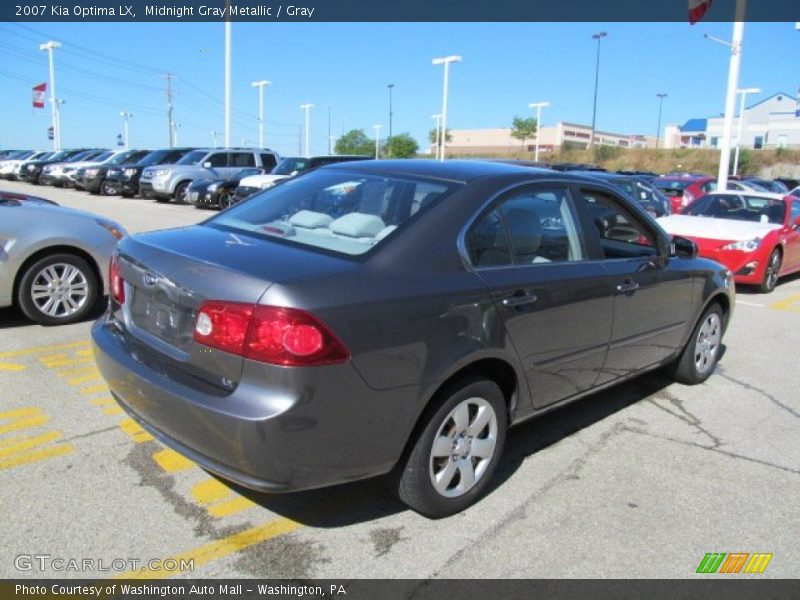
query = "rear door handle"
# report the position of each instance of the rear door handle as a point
(520, 299)
(627, 286)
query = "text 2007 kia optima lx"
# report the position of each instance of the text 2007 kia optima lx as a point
(395, 317)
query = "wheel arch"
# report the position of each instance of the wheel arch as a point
(57, 249)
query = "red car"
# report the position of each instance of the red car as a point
(755, 234)
(682, 190)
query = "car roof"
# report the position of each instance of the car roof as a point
(753, 193)
(461, 171)
(604, 175)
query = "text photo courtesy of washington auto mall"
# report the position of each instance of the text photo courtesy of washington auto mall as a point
(399, 300)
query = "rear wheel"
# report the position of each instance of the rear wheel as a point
(699, 357)
(58, 289)
(771, 272)
(225, 199)
(454, 457)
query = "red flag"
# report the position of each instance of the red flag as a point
(38, 95)
(698, 8)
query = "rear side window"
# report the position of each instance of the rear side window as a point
(334, 210)
(268, 161)
(242, 159)
(530, 226)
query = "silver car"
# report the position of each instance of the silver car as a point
(53, 260)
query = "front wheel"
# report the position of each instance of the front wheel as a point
(58, 289)
(771, 272)
(456, 453)
(108, 188)
(181, 195)
(700, 356)
(225, 199)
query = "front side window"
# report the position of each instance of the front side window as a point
(621, 235)
(334, 210)
(220, 159)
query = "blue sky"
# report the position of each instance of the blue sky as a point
(348, 66)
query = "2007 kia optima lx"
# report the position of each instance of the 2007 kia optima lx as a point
(395, 317)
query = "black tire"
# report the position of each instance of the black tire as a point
(696, 363)
(108, 188)
(225, 199)
(180, 192)
(63, 313)
(413, 479)
(771, 271)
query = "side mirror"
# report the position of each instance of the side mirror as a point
(683, 247)
(207, 164)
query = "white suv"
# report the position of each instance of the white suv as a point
(168, 182)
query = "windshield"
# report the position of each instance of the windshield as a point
(739, 207)
(103, 157)
(85, 155)
(287, 166)
(193, 158)
(153, 158)
(334, 210)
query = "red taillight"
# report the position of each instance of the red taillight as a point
(115, 282)
(270, 334)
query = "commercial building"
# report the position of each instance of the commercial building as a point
(770, 123)
(499, 141)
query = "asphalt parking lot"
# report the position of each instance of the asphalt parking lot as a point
(639, 481)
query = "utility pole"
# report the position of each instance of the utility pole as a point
(214, 136)
(169, 77)
(307, 108)
(228, 79)
(49, 47)
(260, 85)
(598, 37)
(389, 141)
(126, 115)
(661, 97)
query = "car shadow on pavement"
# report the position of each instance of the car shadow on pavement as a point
(13, 317)
(371, 499)
(752, 290)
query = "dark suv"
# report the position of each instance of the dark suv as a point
(124, 179)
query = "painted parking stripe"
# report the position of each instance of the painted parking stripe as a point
(220, 548)
(35, 455)
(220, 500)
(41, 349)
(97, 388)
(22, 418)
(18, 444)
(172, 462)
(792, 303)
(5, 366)
(135, 432)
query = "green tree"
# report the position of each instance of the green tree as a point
(448, 136)
(523, 129)
(400, 146)
(355, 141)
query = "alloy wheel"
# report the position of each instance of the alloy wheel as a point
(707, 343)
(59, 290)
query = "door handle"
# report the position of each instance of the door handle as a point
(520, 299)
(627, 286)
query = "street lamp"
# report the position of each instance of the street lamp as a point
(598, 37)
(214, 135)
(377, 141)
(261, 85)
(446, 62)
(49, 47)
(125, 116)
(307, 108)
(661, 97)
(538, 106)
(175, 127)
(743, 92)
(438, 119)
(389, 141)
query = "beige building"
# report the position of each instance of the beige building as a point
(499, 140)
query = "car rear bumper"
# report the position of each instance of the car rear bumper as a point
(285, 435)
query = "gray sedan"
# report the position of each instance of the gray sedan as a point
(396, 317)
(53, 260)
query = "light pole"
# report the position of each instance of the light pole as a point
(438, 119)
(538, 106)
(125, 116)
(307, 108)
(261, 85)
(389, 141)
(377, 141)
(446, 62)
(227, 80)
(660, 97)
(214, 136)
(743, 92)
(175, 127)
(598, 37)
(49, 47)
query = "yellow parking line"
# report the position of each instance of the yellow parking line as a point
(87, 352)
(68, 362)
(93, 375)
(210, 490)
(791, 303)
(108, 401)
(136, 433)
(11, 367)
(24, 423)
(40, 349)
(20, 412)
(19, 444)
(76, 371)
(230, 507)
(172, 462)
(220, 548)
(88, 390)
(112, 410)
(38, 455)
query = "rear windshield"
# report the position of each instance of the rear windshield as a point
(334, 210)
